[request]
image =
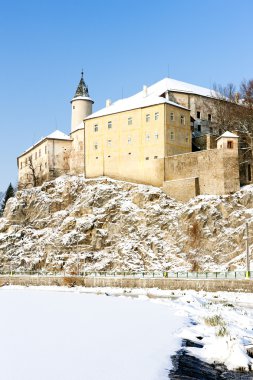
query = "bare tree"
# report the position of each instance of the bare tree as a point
(33, 171)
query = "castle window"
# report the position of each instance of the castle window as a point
(147, 158)
(129, 153)
(109, 125)
(147, 136)
(172, 116)
(95, 128)
(156, 115)
(209, 117)
(40, 167)
(155, 157)
(109, 156)
(96, 146)
(130, 121)
(198, 114)
(109, 142)
(96, 158)
(74, 107)
(147, 118)
(129, 140)
(156, 135)
(230, 145)
(182, 120)
(172, 135)
(211, 129)
(199, 127)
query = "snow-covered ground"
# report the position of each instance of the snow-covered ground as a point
(66, 334)
(82, 333)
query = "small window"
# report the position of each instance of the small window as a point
(198, 115)
(96, 158)
(109, 142)
(129, 153)
(147, 118)
(230, 144)
(20, 165)
(129, 140)
(211, 130)
(147, 158)
(156, 135)
(95, 128)
(172, 116)
(172, 135)
(147, 136)
(155, 157)
(96, 146)
(199, 127)
(74, 107)
(182, 120)
(109, 156)
(40, 167)
(130, 121)
(156, 115)
(109, 125)
(209, 117)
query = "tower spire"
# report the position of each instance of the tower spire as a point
(82, 89)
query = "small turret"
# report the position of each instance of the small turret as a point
(81, 105)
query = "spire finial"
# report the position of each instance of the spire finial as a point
(82, 73)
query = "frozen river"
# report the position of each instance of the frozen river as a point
(50, 335)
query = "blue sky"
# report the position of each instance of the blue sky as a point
(120, 44)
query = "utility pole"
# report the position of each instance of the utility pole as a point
(247, 250)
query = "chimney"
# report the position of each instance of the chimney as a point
(108, 102)
(145, 91)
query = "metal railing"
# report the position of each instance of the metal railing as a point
(235, 275)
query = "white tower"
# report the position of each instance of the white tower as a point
(81, 105)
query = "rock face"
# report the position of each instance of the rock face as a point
(75, 224)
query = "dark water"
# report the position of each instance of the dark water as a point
(187, 367)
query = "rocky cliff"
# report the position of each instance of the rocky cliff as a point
(102, 224)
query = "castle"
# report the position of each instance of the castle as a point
(145, 138)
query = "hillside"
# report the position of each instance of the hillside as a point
(111, 225)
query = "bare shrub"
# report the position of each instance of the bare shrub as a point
(69, 281)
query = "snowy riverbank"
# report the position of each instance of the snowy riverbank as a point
(115, 333)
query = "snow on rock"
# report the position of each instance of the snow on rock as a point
(105, 224)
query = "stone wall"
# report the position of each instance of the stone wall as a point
(217, 171)
(160, 283)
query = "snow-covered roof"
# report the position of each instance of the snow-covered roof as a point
(56, 135)
(153, 95)
(228, 134)
(173, 85)
(132, 103)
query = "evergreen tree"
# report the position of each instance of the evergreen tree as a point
(9, 193)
